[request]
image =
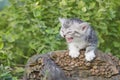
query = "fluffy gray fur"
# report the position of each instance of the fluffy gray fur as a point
(79, 35)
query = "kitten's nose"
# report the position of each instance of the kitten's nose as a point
(64, 35)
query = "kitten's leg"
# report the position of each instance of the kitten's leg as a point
(73, 51)
(89, 53)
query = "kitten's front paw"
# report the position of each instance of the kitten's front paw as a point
(74, 54)
(89, 56)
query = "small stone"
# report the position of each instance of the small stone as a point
(88, 64)
(102, 69)
(96, 71)
(95, 67)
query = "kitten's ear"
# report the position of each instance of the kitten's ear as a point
(84, 26)
(62, 20)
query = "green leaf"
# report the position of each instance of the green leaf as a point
(92, 5)
(116, 44)
(19, 69)
(84, 9)
(1, 43)
(81, 4)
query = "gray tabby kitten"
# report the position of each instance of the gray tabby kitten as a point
(79, 35)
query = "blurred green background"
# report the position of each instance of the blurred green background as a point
(28, 27)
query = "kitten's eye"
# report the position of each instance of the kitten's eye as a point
(76, 33)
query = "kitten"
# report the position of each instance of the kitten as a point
(79, 35)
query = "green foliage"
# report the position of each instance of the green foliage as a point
(28, 27)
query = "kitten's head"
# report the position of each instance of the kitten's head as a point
(73, 29)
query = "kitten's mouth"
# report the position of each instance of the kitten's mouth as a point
(69, 39)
